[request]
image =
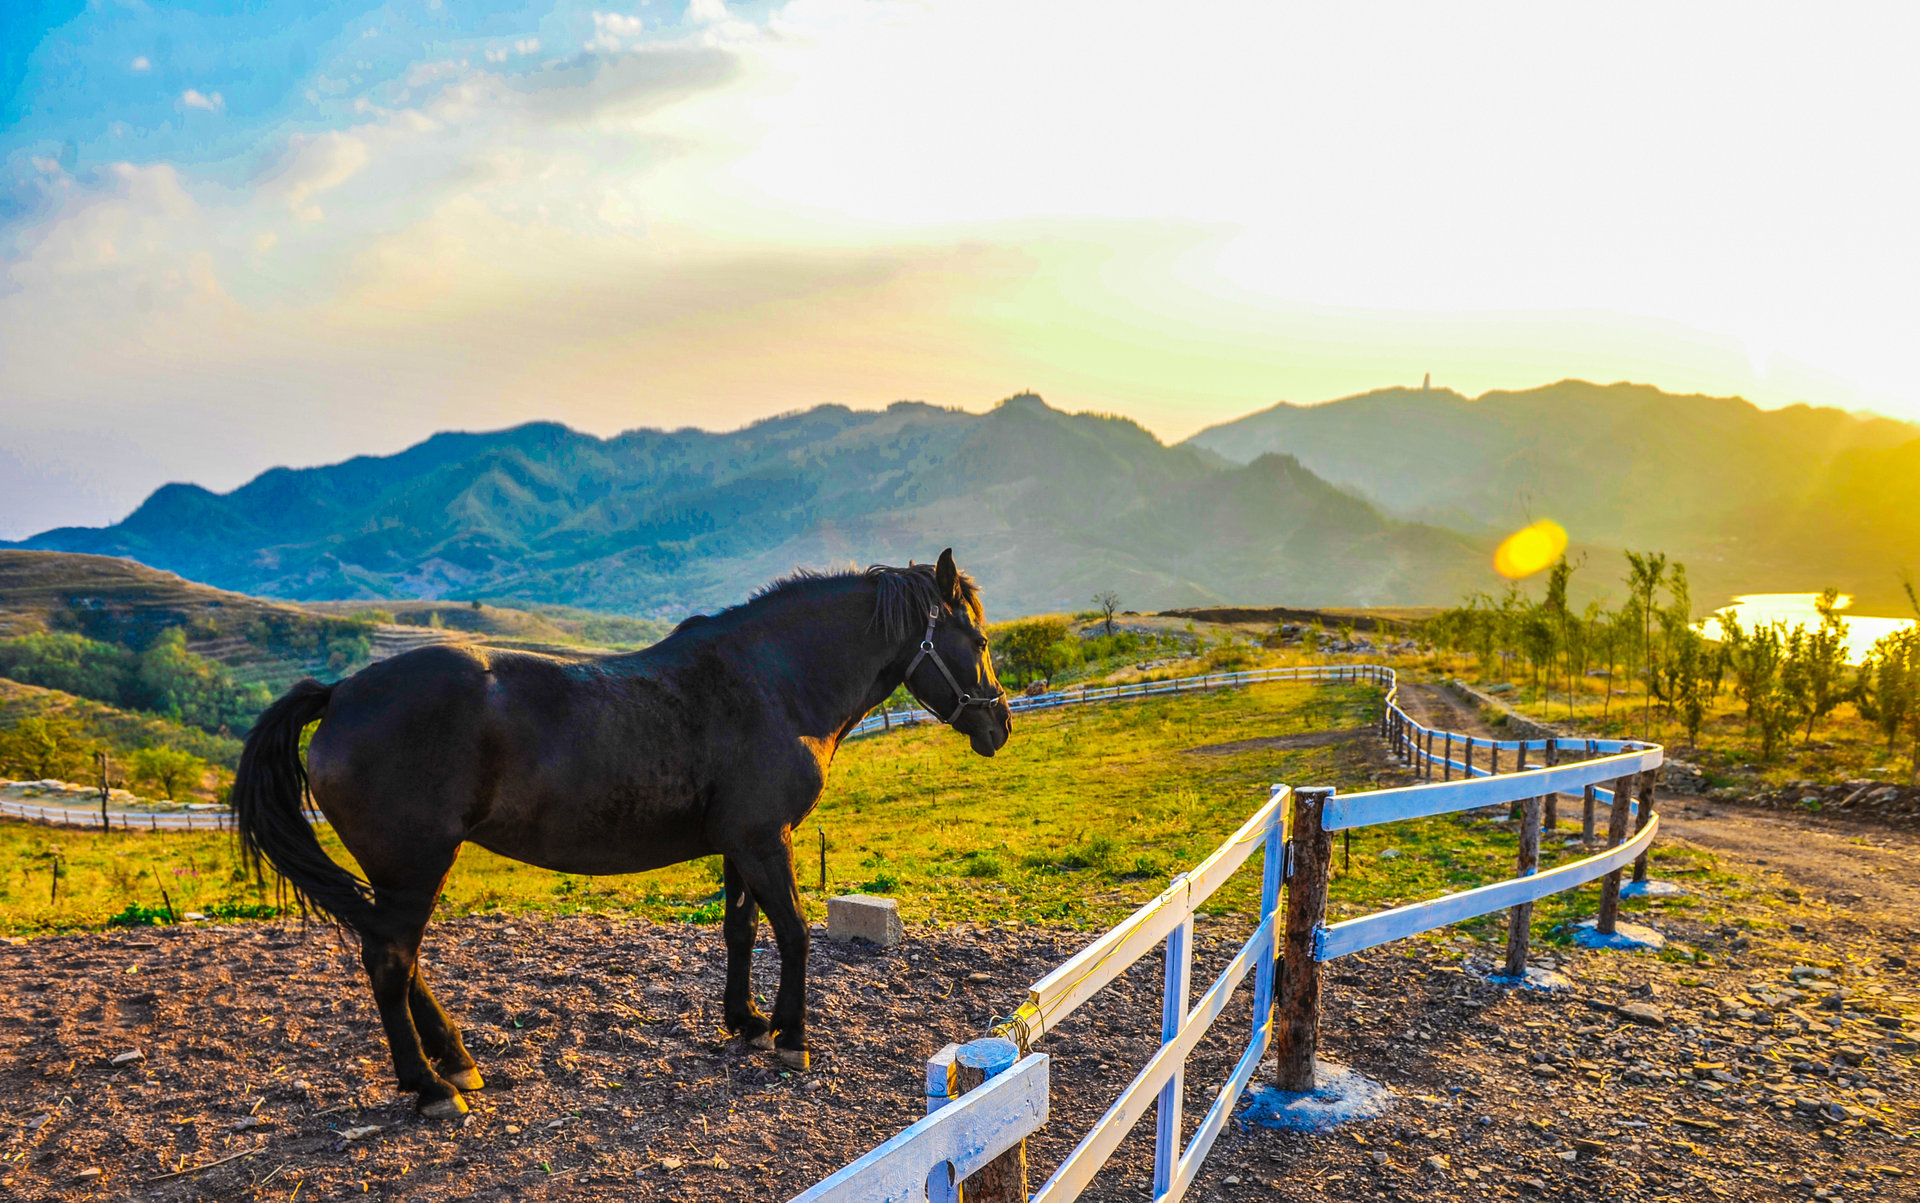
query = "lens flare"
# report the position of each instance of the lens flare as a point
(1528, 550)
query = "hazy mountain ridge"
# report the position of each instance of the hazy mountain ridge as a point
(1753, 499)
(1046, 507)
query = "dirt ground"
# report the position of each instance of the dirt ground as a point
(608, 1071)
(1782, 1065)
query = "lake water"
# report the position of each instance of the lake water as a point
(1797, 610)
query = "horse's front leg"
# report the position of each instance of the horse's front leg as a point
(768, 872)
(742, 924)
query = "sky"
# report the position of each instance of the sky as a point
(235, 235)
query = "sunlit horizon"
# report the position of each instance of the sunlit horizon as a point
(1797, 610)
(288, 234)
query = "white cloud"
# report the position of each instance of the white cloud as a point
(315, 165)
(612, 29)
(520, 46)
(211, 102)
(140, 64)
(706, 12)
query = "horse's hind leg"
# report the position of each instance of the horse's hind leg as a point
(741, 925)
(440, 1036)
(390, 950)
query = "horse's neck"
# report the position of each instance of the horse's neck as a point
(840, 667)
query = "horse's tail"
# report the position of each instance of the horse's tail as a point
(269, 808)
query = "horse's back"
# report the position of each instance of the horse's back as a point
(583, 765)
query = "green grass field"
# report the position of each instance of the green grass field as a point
(1087, 813)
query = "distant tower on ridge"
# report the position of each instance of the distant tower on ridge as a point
(1426, 383)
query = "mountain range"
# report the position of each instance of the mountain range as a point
(1753, 500)
(1045, 508)
(1392, 497)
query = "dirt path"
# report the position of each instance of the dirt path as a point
(1867, 874)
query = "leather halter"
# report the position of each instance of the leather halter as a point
(963, 698)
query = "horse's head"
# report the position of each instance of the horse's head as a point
(951, 672)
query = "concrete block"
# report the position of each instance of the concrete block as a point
(864, 917)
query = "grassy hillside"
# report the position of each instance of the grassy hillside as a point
(122, 602)
(523, 626)
(121, 732)
(1085, 815)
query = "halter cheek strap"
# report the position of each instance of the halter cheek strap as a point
(962, 699)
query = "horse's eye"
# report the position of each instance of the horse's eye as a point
(979, 643)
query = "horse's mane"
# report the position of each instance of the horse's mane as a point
(902, 596)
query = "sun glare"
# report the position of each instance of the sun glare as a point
(1528, 550)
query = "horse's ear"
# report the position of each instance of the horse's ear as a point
(946, 578)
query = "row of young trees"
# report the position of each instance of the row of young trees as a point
(1788, 678)
(1651, 635)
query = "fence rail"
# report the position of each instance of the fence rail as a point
(889, 719)
(1292, 830)
(129, 820)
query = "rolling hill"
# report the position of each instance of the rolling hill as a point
(1044, 507)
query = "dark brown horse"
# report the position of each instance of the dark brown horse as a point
(715, 740)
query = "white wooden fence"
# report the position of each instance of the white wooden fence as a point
(887, 720)
(959, 1136)
(127, 820)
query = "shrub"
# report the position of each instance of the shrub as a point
(983, 864)
(139, 914)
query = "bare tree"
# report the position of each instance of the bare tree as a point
(1109, 602)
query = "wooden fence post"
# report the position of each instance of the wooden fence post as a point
(1493, 758)
(1641, 820)
(1520, 918)
(1429, 754)
(1586, 816)
(1616, 835)
(1004, 1179)
(1550, 807)
(1297, 1032)
(1468, 773)
(1446, 764)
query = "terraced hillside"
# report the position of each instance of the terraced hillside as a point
(122, 602)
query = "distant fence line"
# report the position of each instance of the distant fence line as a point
(886, 720)
(125, 820)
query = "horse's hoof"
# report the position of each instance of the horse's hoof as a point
(792, 1058)
(452, 1108)
(466, 1079)
(763, 1041)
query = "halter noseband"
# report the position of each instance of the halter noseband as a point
(963, 698)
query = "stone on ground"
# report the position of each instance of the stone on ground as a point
(864, 917)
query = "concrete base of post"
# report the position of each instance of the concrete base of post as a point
(1627, 937)
(1651, 889)
(1339, 1096)
(1546, 981)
